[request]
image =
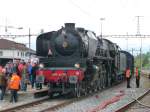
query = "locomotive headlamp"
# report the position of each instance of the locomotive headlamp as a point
(97, 68)
(77, 65)
(41, 66)
(65, 44)
(77, 73)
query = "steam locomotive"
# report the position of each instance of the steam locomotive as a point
(77, 62)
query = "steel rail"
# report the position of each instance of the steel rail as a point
(125, 107)
(52, 108)
(27, 104)
(63, 104)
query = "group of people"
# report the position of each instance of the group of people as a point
(16, 76)
(137, 75)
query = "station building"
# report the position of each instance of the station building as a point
(10, 50)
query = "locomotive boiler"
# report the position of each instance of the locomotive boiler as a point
(76, 61)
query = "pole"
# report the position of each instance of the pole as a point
(127, 43)
(13, 49)
(101, 19)
(101, 28)
(132, 51)
(138, 25)
(29, 42)
(141, 55)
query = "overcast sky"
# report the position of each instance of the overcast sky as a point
(120, 17)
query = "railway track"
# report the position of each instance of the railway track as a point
(127, 106)
(36, 106)
(28, 104)
(83, 106)
(42, 105)
(142, 105)
(49, 105)
(62, 105)
(46, 104)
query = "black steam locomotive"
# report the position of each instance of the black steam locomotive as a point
(76, 61)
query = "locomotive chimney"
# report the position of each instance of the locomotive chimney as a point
(70, 25)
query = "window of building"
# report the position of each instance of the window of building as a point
(22, 54)
(1, 53)
(18, 53)
(26, 54)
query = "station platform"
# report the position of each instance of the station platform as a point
(23, 97)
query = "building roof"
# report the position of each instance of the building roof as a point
(9, 45)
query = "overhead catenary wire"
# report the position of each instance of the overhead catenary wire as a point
(82, 10)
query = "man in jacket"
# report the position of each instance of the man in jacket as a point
(14, 86)
(3, 83)
(33, 74)
(137, 75)
(24, 77)
(128, 72)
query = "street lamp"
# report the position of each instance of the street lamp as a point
(29, 35)
(139, 34)
(6, 28)
(141, 55)
(29, 42)
(127, 42)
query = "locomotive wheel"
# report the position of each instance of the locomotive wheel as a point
(104, 81)
(85, 89)
(85, 92)
(109, 82)
(103, 78)
(96, 85)
(50, 95)
(99, 84)
(100, 78)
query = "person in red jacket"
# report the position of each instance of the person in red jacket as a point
(3, 82)
(137, 75)
(128, 72)
(14, 86)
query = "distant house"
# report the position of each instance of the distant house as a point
(10, 50)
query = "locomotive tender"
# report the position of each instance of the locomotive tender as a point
(76, 61)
